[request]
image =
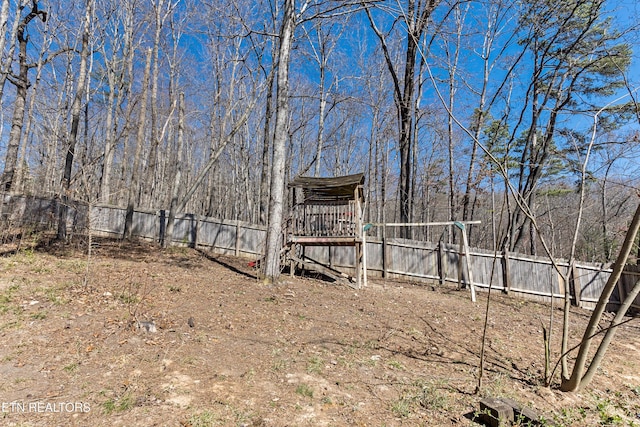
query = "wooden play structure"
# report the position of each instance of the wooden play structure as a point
(326, 212)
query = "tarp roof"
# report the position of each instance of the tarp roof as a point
(328, 189)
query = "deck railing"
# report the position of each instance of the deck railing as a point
(329, 219)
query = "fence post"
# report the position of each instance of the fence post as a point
(385, 254)
(163, 227)
(576, 286)
(506, 274)
(622, 291)
(193, 231)
(198, 219)
(237, 249)
(441, 272)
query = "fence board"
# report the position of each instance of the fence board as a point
(107, 219)
(185, 230)
(144, 224)
(592, 281)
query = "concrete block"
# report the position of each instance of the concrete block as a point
(522, 414)
(495, 413)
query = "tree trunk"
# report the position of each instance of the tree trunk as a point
(416, 19)
(274, 231)
(177, 180)
(407, 114)
(22, 84)
(129, 55)
(110, 140)
(5, 66)
(152, 164)
(266, 154)
(578, 377)
(134, 186)
(22, 169)
(76, 109)
(4, 18)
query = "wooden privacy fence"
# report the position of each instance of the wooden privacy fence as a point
(227, 237)
(515, 274)
(223, 236)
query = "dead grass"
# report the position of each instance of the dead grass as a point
(303, 353)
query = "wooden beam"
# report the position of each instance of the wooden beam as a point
(424, 224)
(324, 241)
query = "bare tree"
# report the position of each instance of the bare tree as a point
(178, 176)
(276, 203)
(134, 186)
(118, 70)
(5, 65)
(415, 14)
(162, 10)
(76, 109)
(21, 81)
(322, 44)
(22, 170)
(581, 376)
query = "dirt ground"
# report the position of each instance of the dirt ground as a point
(137, 336)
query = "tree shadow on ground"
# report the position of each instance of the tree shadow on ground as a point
(226, 264)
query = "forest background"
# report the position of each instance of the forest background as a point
(522, 115)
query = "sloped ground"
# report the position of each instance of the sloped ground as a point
(79, 348)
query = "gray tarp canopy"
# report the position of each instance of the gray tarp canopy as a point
(338, 188)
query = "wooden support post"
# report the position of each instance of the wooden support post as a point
(292, 263)
(364, 257)
(358, 250)
(467, 257)
(460, 271)
(464, 252)
(506, 274)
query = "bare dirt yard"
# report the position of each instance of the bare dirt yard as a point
(138, 336)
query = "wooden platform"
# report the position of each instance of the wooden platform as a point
(326, 212)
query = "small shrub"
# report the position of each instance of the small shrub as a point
(314, 366)
(304, 390)
(71, 368)
(39, 316)
(122, 404)
(402, 407)
(395, 364)
(203, 419)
